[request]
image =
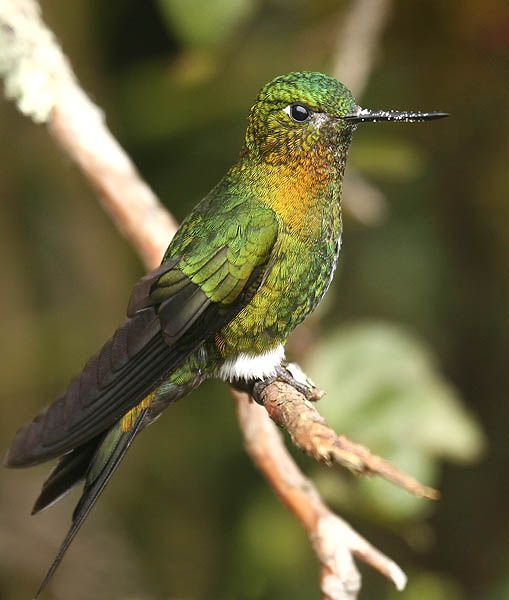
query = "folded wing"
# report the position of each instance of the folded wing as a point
(209, 274)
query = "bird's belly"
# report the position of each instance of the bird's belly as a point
(252, 366)
(292, 290)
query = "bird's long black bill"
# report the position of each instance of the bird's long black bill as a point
(91, 494)
(364, 115)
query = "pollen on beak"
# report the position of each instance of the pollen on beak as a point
(365, 115)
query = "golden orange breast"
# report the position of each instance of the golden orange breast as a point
(298, 194)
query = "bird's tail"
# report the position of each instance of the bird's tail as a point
(69, 471)
(97, 460)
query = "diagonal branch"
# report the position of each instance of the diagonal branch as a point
(333, 539)
(290, 409)
(38, 77)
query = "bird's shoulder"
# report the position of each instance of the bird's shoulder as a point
(224, 218)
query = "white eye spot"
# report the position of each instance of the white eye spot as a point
(319, 120)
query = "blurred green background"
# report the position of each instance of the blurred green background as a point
(412, 342)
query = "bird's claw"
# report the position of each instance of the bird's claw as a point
(289, 373)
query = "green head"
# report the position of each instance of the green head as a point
(301, 112)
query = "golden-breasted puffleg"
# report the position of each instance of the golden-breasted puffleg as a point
(247, 265)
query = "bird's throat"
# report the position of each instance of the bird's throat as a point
(304, 192)
(301, 200)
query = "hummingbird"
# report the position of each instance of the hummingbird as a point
(246, 266)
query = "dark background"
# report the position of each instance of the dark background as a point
(411, 343)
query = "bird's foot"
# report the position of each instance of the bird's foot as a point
(287, 372)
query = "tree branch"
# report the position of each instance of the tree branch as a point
(38, 77)
(333, 540)
(292, 410)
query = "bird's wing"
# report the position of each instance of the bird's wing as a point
(210, 272)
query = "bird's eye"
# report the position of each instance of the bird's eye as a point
(298, 112)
